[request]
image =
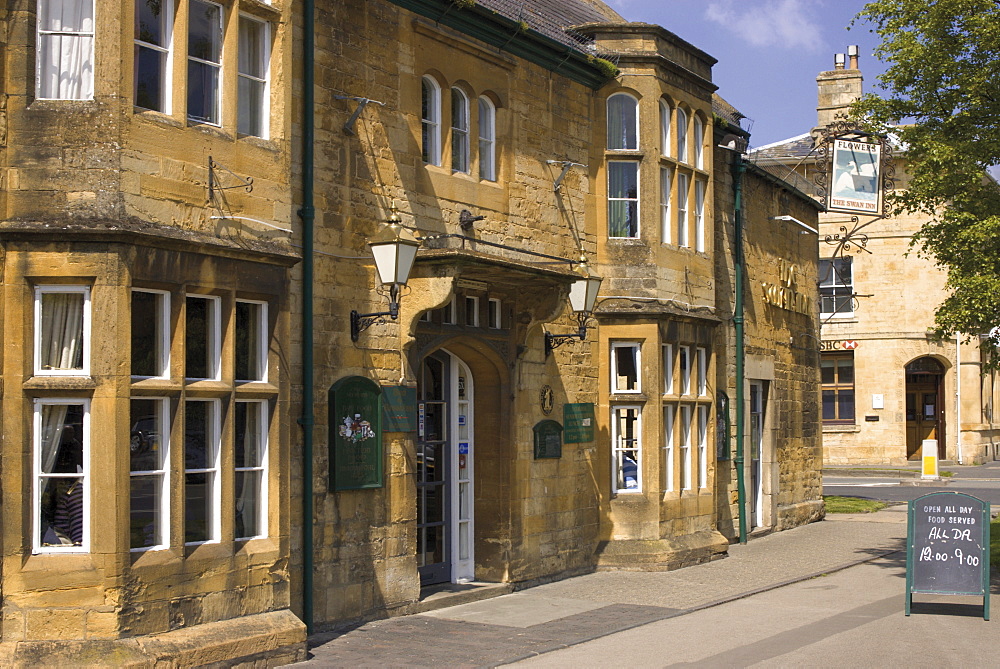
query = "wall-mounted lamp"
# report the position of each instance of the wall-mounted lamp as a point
(582, 297)
(394, 249)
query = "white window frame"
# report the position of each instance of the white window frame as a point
(217, 111)
(669, 415)
(699, 215)
(450, 314)
(683, 233)
(665, 113)
(637, 199)
(495, 314)
(41, 290)
(668, 369)
(162, 334)
(163, 429)
(215, 340)
(472, 316)
(460, 153)
(487, 139)
(38, 475)
(633, 120)
(262, 343)
(684, 364)
(636, 347)
(265, 81)
(430, 92)
(685, 447)
(702, 446)
(666, 211)
(835, 284)
(212, 469)
(617, 449)
(45, 36)
(698, 140)
(701, 360)
(682, 136)
(262, 468)
(166, 55)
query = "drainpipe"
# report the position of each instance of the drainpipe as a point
(958, 397)
(739, 167)
(308, 215)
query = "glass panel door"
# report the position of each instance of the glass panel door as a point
(432, 469)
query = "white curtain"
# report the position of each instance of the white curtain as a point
(66, 49)
(62, 331)
(53, 423)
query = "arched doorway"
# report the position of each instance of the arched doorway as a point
(445, 451)
(924, 406)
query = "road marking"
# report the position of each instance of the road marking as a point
(856, 485)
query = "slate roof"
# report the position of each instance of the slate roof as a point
(794, 147)
(553, 18)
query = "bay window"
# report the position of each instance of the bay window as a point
(151, 69)
(623, 123)
(150, 333)
(459, 131)
(251, 342)
(62, 330)
(250, 448)
(682, 136)
(685, 455)
(201, 471)
(682, 210)
(625, 367)
(65, 57)
(487, 140)
(430, 121)
(61, 461)
(252, 95)
(626, 451)
(204, 67)
(202, 338)
(149, 455)
(623, 199)
(699, 216)
(665, 214)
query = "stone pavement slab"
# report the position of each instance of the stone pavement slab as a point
(574, 611)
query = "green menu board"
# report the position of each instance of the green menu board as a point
(355, 405)
(578, 420)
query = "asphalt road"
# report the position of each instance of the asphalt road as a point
(982, 482)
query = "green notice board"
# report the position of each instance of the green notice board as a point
(355, 406)
(399, 409)
(548, 439)
(579, 422)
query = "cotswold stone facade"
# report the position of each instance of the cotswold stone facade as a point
(887, 384)
(205, 452)
(782, 443)
(145, 316)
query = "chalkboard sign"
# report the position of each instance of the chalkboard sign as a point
(948, 547)
(548, 439)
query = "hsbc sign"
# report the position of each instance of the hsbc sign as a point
(838, 345)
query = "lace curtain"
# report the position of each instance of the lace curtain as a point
(61, 331)
(66, 49)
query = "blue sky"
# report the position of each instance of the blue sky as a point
(769, 52)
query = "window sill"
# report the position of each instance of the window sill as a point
(59, 383)
(155, 387)
(255, 390)
(260, 142)
(260, 9)
(154, 116)
(203, 388)
(628, 397)
(828, 320)
(844, 428)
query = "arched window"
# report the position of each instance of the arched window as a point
(698, 140)
(459, 131)
(623, 122)
(682, 135)
(430, 115)
(487, 140)
(664, 128)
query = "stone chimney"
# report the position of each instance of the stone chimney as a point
(838, 87)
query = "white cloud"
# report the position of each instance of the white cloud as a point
(784, 24)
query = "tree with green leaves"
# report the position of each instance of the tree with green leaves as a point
(942, 92)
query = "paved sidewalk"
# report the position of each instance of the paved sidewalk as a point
(577, 610)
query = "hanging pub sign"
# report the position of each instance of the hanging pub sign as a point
(856, 177)
(355, 411)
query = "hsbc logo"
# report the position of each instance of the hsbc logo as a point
(836, 345)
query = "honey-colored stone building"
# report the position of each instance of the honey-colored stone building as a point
(768, 226)
(206, 452)
(887, 384)
(145, 318)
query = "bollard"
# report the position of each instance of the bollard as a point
(929, 458)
